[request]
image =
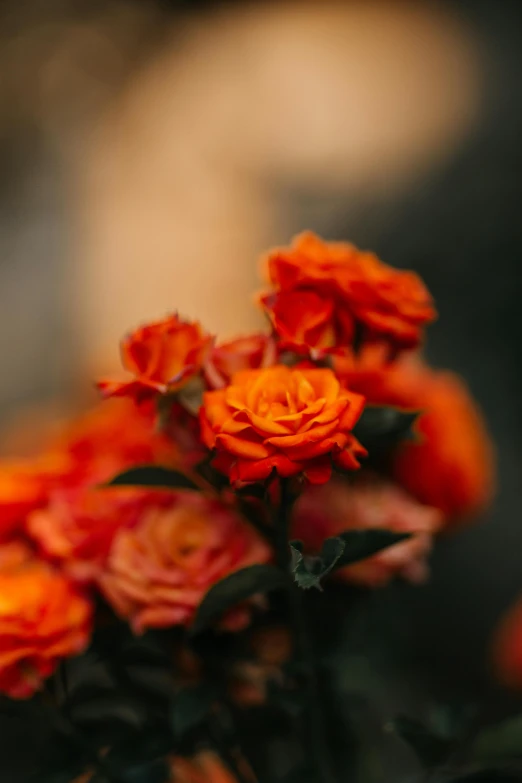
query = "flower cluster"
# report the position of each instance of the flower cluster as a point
(287, 405)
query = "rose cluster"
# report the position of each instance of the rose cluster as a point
(343, 338)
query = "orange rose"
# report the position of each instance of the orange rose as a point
(89, 450)
(282, 419)
(205, 767)
(244, 353)
(158, 572)
(331, 509)
(21, 489)
(161, 356)
(451, 466)
(305, 319)
(42, 620)
(507, 648)
(335, 285)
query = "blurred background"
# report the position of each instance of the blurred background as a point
(150, 151)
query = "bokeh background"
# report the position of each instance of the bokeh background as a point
(149, 151)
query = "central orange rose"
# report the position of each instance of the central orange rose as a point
(161, 356)
(288, 420)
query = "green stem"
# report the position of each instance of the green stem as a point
(314, 720)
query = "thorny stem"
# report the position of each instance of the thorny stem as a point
(313, 714)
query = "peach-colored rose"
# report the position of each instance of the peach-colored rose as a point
(158, 572)
(76, 528)
(42, 620)
(369, 503)
(161, 357)
(282, 419)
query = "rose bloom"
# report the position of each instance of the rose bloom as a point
(507, 648)
(243, 353)
(88, 450)
(161, 356)
(306, 321)
(284, 420)
(451, 465)
(205, 767)
(325, 289)
(42, 620)
(369, 503)
(76, 528)
(158, 572)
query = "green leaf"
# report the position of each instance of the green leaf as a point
(360, 544)
(234, 589)
(108, 709)
(191, 707)
(381, 428)
(156, 771)
(500, 742)
(308, 570)
(431, 749)
(337, 552)
(153, 476)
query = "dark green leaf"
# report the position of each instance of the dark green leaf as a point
(111, 709)
(431, 749)
(156, 771)
(500, 742)
(360, 544)
(381, 428)
(191, 707)
(153, 476)
(153, 679)
(308, 570)
(233, 590)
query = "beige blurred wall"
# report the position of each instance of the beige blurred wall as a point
(178, 183)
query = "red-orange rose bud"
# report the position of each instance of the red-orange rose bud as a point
(161, 356)
(327, 290)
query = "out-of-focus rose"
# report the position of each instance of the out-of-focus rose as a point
(110, 437)
(306, 321)
(244, 353)
(14, 554)
(451, 466)
(24, 485)
(21, 489)
(161, 357)
(205, 767)
(76, 527)
(42, 620)
(89, 450)
(158, 572)
(507, 648)
(369, 503)
(282, 419)
(337, 290)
